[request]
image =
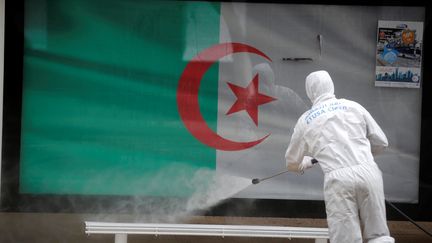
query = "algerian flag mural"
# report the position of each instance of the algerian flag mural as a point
(138, 98)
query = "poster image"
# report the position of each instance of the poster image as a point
(399, 54)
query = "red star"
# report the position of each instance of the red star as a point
(249, 99)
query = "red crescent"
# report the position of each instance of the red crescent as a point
(187, 96)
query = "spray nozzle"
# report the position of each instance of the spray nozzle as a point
(255, 181)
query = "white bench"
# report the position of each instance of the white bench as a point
(121, 230)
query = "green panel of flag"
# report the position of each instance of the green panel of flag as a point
(99, 113)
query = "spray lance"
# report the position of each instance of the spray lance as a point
(314, 161)
(256, 180)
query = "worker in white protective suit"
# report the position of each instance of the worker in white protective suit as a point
(343, 137)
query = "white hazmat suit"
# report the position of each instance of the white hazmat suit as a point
(342, 136)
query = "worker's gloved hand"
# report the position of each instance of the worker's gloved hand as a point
(306, 163)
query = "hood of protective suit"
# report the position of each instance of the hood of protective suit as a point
(319, 86)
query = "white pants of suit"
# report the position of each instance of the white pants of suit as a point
(354, 198)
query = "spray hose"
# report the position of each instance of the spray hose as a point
(408, 218)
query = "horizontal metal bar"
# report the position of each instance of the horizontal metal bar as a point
(206, 230)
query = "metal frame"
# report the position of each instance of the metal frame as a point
(121, 230)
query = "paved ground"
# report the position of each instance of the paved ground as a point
(57, 228)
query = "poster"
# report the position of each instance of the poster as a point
(399, 54)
